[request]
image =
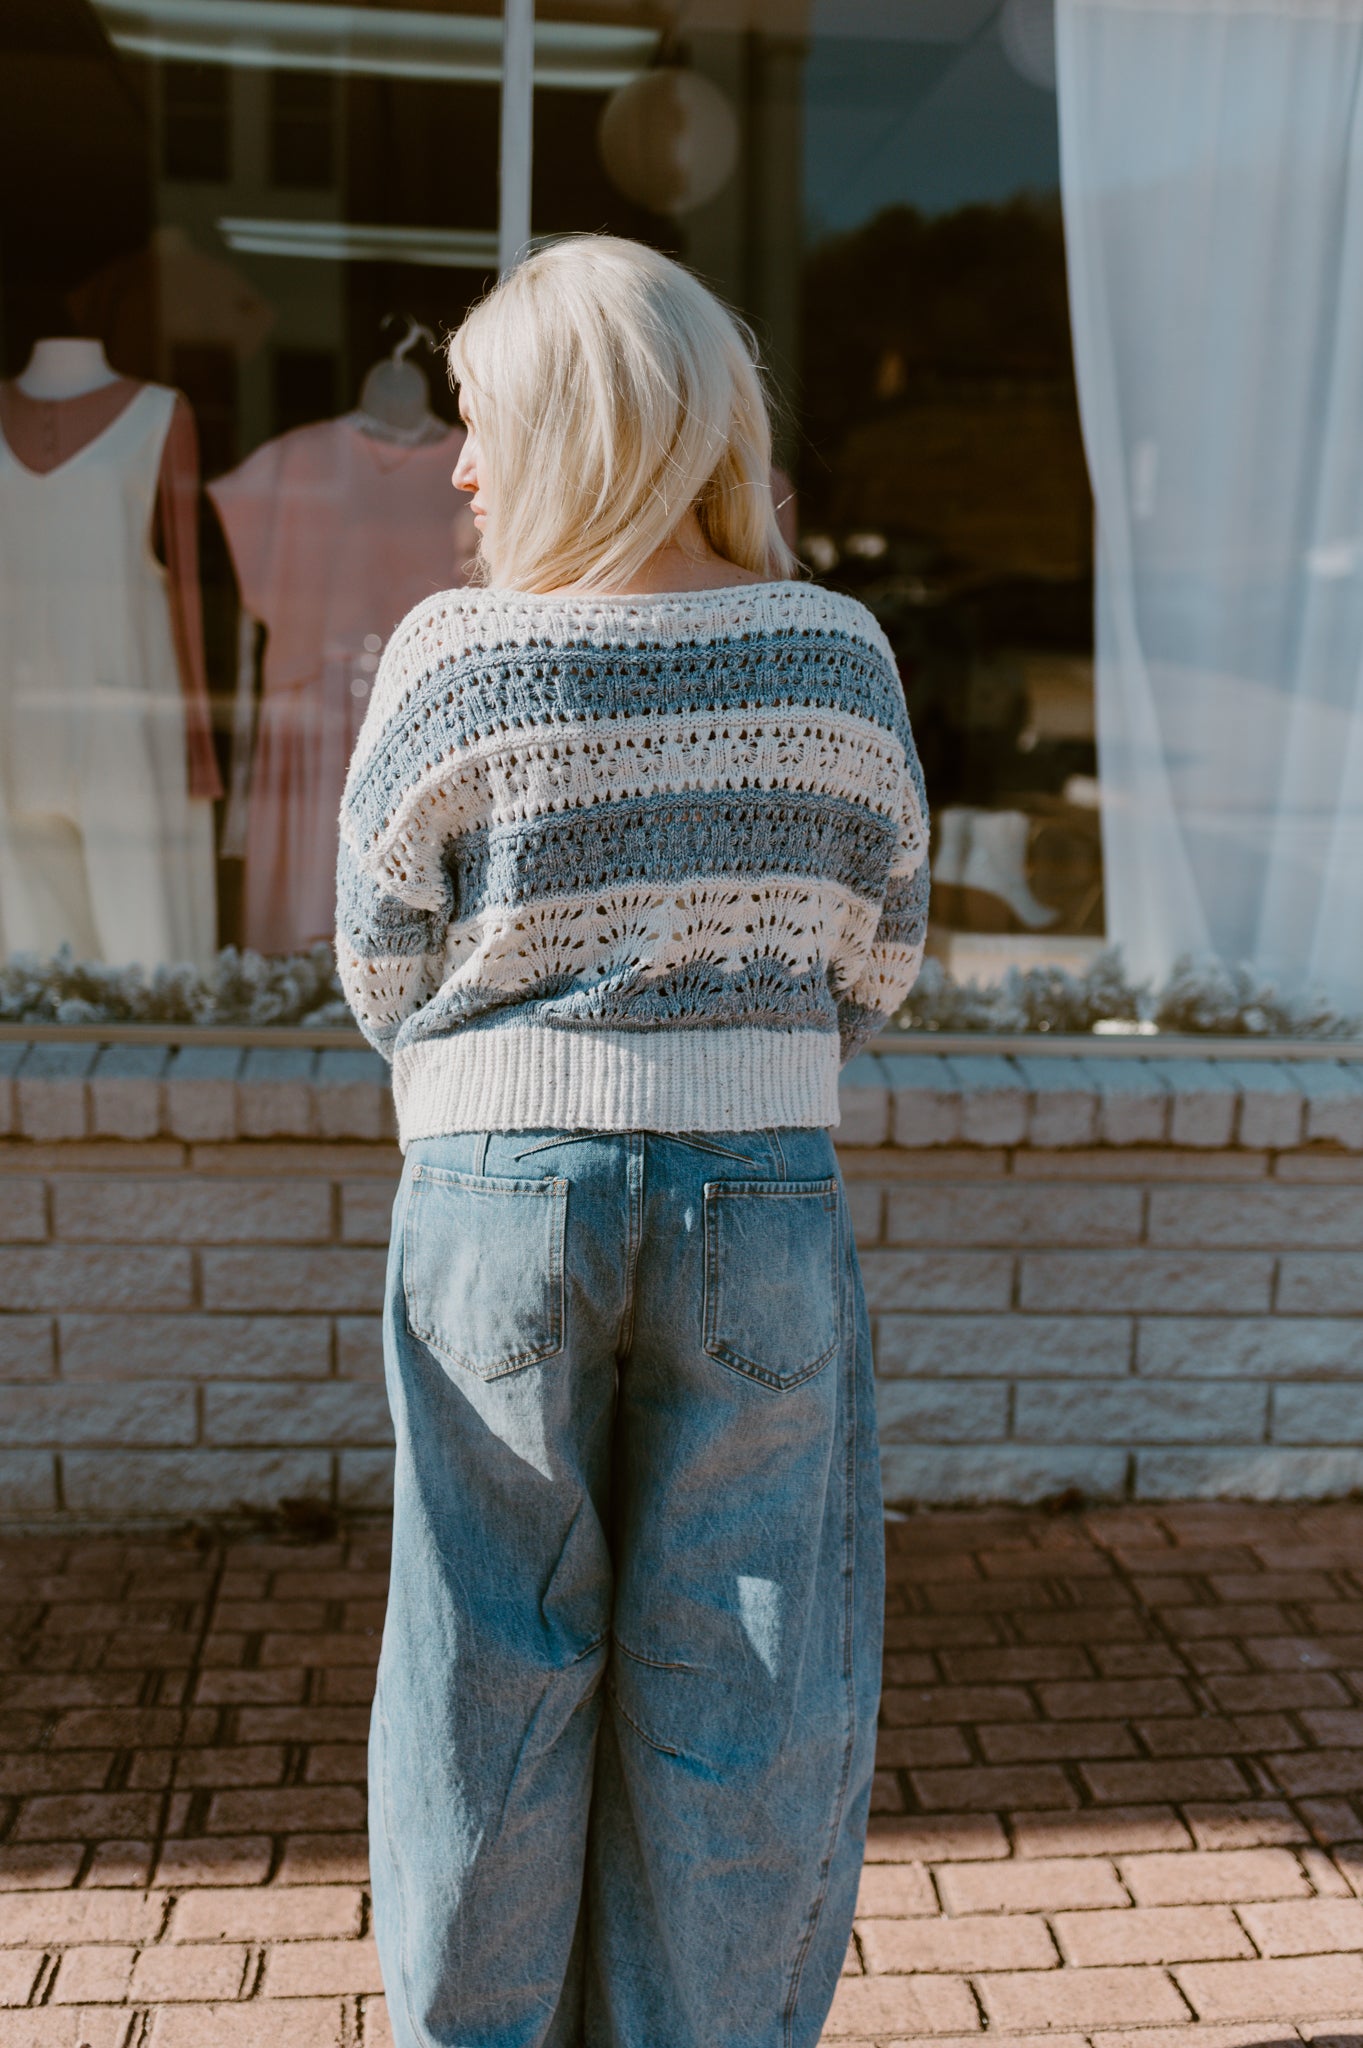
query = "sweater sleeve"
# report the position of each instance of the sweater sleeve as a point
(390, 950)
(895, 955)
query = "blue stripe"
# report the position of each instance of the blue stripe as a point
(710, 834)
(379, 926)
(475, 696)
(904, 919)
(765, 994)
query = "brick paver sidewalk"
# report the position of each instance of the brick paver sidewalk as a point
(1116, 1809)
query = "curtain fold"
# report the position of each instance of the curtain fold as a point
(1212, 184)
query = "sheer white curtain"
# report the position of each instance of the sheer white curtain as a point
(1212, 172)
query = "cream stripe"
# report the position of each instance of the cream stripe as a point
(526, 1077)
(537, 771)
(455, 623)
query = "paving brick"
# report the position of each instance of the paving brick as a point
(189, 1209)
(992, 1787)
(190, 1971)
(1272, 1106)
(1103, 1699)
(867, 2007)
(1334, 1102)
(45, 1918)
(1317, 1415)
(340, 1279)
(1013, 1213)
(1301, 1927)
(900, 1748)
(1020, 1663)
(1310, 1772)
(957, 1946)
(125, 1091)
(194, 1347)
(326, 1413)
(863, 1102)
(1145, 1280)
(324, 1859)
(1258, 1347)
(895, 1890)
(1183, 2037)
(242, 1859)
(1151, 1934)
(1040, 1885)
(1281, 1691)
(68, 1415)
(1324, 1985)
(923, 1279)
(268, 1913)
(1025, 1743)
(1133, 1102)
(59, 1816)
(27, 1351)
(925, 1100)
(305, 1968)
(1080, 1997)
(949, 1474)
(296, 1806)
(50, 1092)
(28, 1482)
(192, 1482)
(1114, 1830)
(911, 1706)
(200, 1091)
(19, 1970)
(1121, 1783)
(1001, 1346)
(939, 1838)
(932, 1411)
(29, 1865)
(1328, 1283)
(1203, 1105)
(93, 1975)
(94, 1276)
(274, 1095)
(56, 2026)
(351, 1094)
(1244, 1824)
(302, 2023)
(1064, 1102)
(1268, 1474)
(1068, 1411)
(1202, 1877)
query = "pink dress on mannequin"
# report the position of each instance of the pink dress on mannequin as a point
(334, 534)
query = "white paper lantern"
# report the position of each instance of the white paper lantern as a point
(669, 140)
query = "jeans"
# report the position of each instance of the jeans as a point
(624, 1730)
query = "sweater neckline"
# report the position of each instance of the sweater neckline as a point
(720, 593)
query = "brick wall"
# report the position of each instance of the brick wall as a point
(1132, 1275)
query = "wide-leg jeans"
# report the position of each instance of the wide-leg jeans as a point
(625, 1722)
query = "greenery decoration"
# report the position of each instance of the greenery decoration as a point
(242, 988)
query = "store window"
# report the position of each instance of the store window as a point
(1058, 307)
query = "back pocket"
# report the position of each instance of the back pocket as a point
(482, 1268)
(771, 1277)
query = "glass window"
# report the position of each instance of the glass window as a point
(1024, 274)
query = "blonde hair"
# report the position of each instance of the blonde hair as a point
(611, 393)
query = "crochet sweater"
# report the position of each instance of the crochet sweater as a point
(630, 863)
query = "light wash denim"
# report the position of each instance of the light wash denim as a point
(625, 1723)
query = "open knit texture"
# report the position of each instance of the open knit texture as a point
(630, 863)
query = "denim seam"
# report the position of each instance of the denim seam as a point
(635, 1155)
(404, 1918)
(653, 1663)
(848, 1659)
(642, 1733)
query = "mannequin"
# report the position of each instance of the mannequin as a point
(335, 529)
(66, 368)
(106, 840)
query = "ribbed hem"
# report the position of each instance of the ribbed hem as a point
(527, 1078)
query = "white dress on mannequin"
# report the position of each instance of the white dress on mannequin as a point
(101, 846)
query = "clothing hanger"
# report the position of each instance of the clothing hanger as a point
(395, 398)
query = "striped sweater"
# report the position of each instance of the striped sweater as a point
(630, 863)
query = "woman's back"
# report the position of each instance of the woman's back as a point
(639, 862)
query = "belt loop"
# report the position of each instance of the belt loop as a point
(480, 1154)
(777, 1152)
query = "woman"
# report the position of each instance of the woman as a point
(632, 855)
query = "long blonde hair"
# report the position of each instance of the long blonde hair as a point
(612, 392)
